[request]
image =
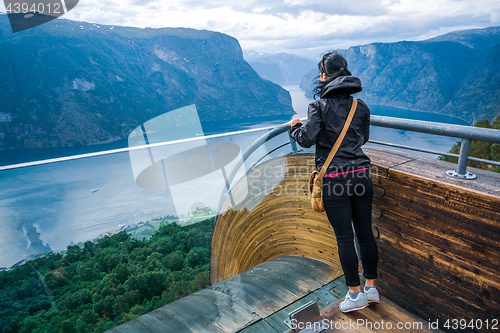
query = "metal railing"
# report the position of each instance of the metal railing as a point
(466, 133)
(128, 149)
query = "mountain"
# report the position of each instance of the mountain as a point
(456, 74)
(281, 68)
(74, 83)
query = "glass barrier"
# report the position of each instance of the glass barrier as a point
(90, 243)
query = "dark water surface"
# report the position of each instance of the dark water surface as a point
(78, 200)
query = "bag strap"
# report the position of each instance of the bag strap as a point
(339, 140)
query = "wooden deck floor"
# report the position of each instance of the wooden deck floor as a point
(383, 317)
(260, 299)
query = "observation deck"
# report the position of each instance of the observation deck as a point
(438, 235)
(437, 240)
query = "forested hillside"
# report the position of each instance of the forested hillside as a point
(107, 282)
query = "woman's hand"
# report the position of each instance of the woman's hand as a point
(295, 121)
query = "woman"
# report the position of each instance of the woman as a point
(347, 185)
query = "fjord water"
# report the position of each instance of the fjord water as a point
(75, 201)
(407, 138)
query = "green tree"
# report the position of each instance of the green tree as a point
(107, 282)
(175, 261)
(67, 326)
(198, 256)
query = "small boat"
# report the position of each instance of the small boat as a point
(94, 190)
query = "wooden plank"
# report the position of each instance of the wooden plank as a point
(330, 293)
(324, 296)
(383, 160)
(478, 236)
(383, 317)
(206, 311)
(239, 302)
(150, 324)
(441, 233)
(486, 182)
(440, 240)
(435, 217)
(261, 326)
(268, 293)
(475, 254)
(470, 205)
(434, 309)
(378, 191)
(276, 283)
(452, 287)
(273, 192)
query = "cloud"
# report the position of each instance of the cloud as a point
(304, 27)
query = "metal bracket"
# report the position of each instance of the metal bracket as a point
(467, 176)
(306, 316)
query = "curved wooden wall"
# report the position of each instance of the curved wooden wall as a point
(272, 218)
(439, 244)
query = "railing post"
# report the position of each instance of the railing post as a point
(464, 154)
(461, 171)
(293, 143)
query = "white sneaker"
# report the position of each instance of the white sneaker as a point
(349, 304)
(372, 295)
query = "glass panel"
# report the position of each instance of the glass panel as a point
(88, 244)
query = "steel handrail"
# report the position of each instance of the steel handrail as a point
(430, 127)
(470, 158)
(121, 150)
(466, 133)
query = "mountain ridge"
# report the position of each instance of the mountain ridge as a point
(280, 68)
(455, 74)
(70, 83)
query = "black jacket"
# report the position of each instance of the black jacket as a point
(325, 120)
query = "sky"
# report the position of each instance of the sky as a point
(302, 27)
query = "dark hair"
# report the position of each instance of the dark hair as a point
(333, 65)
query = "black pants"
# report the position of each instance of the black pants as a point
(347, 198)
